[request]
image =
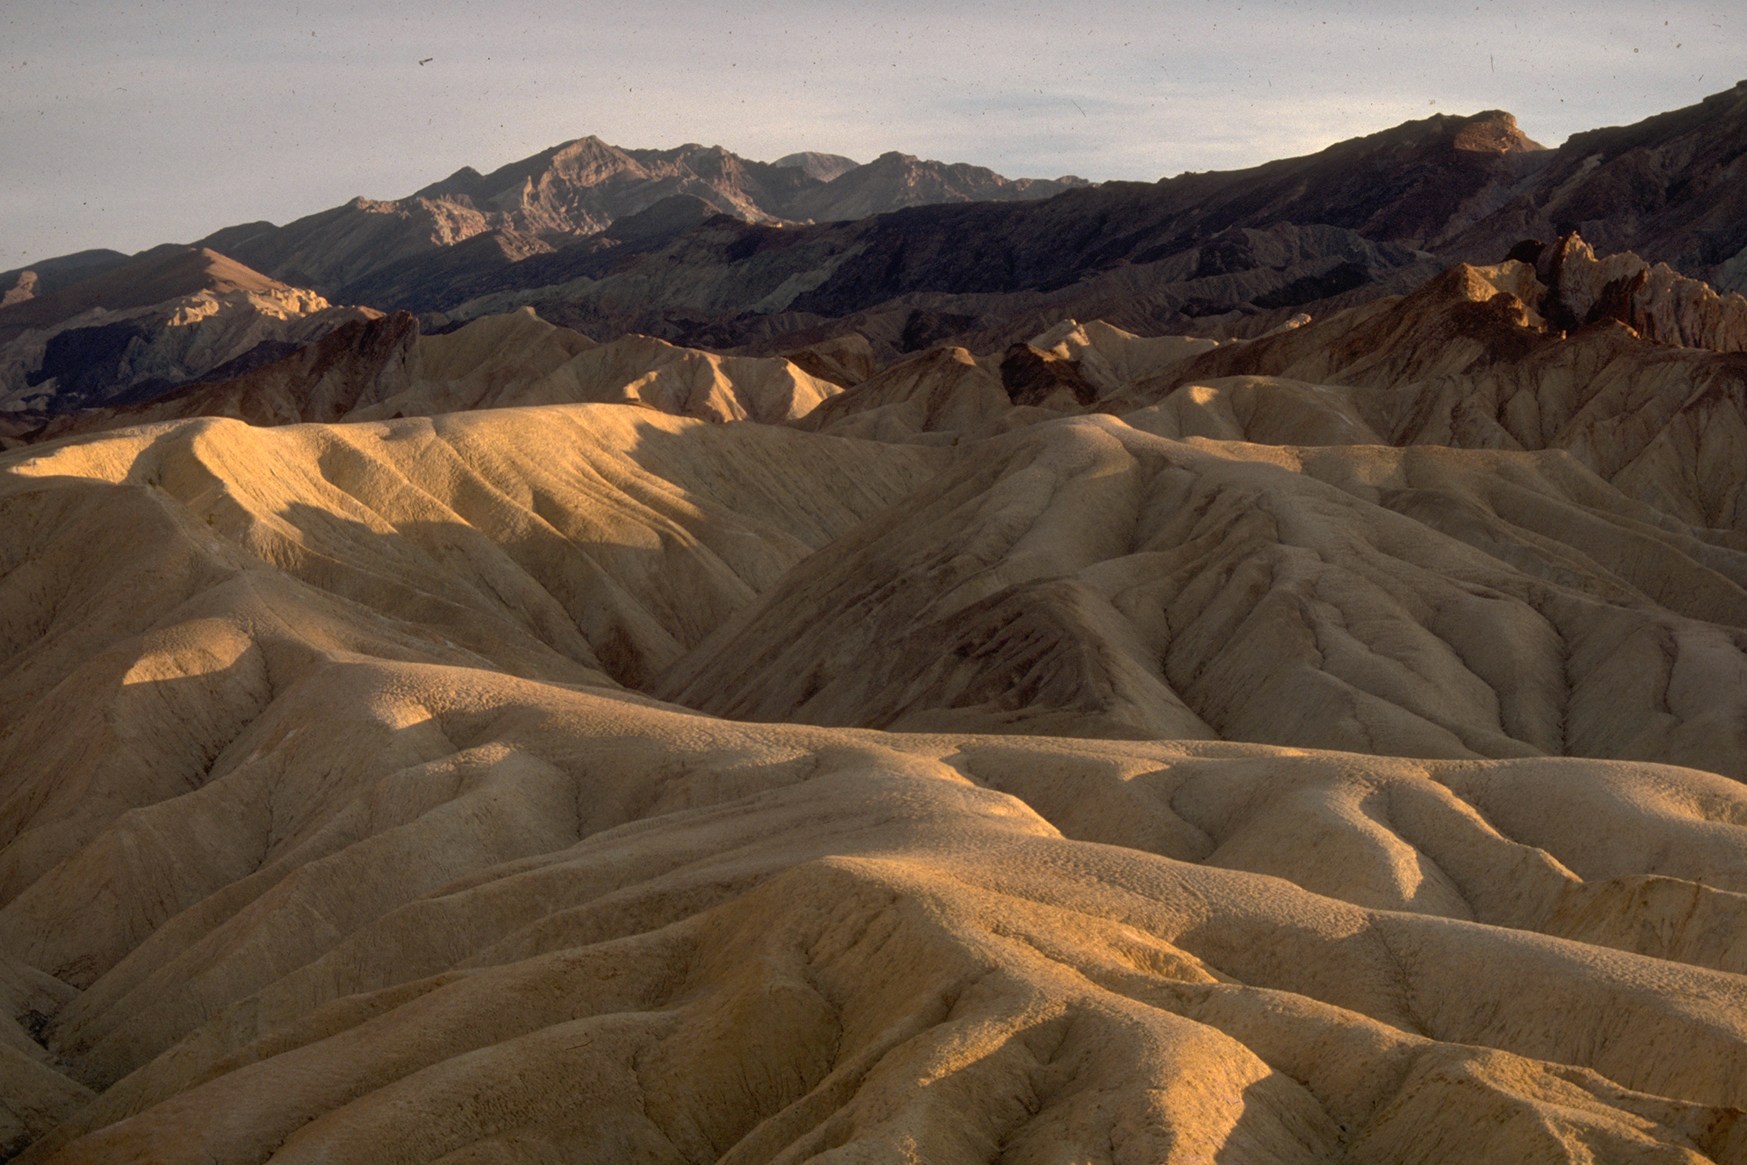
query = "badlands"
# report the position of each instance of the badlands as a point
(1049, 756)
(472, 740)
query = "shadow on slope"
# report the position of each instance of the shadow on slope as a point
(488, 888)
(330, 880)
(1082, 577)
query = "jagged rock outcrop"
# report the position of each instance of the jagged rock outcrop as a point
(1652, 299)
(1471, 361)
(1669, 187)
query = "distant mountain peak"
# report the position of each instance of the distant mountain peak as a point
(588, 146)
(824, 167)
(1493, 131)
(466, 178)
(576, 190)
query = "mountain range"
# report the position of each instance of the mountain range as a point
(698, 246)
(100, 326)
(573, 191)
(1222, 253)
(936, 726)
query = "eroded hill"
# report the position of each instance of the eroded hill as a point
(581, 779)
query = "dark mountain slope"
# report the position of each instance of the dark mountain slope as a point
(580, 188)
(53, 274)
(1221, 253)
(1672, 188)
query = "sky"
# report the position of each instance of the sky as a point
(125, 125)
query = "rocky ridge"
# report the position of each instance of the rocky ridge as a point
(581, 188)
(1222, 253)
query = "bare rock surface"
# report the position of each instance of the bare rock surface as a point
(135, 329)
(384, 368)
(366, 797)
(1478, 359)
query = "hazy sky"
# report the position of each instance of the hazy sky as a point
(129, 124)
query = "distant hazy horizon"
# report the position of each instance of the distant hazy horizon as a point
(128, 125)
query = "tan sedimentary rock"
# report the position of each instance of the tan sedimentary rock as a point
(1652, 298)
(368, 791)
(382, 369)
